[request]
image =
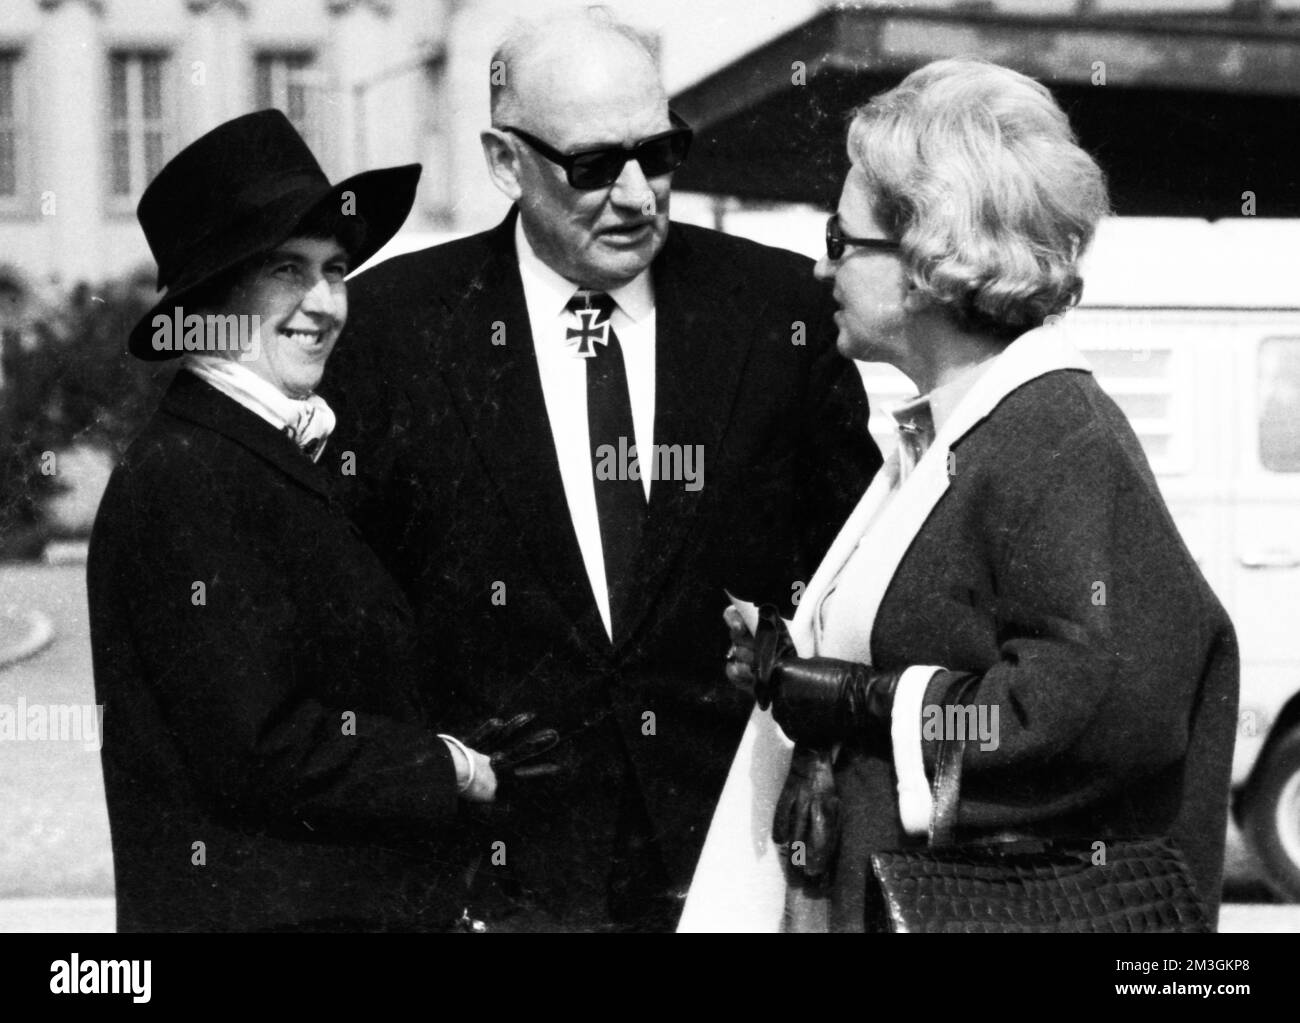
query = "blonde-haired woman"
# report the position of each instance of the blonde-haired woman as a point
(1015, 541)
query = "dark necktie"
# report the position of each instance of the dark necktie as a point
(620, 500)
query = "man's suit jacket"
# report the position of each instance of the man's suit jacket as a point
(457, 484)
(265, 761)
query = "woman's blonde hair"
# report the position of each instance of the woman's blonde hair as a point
(974, 169)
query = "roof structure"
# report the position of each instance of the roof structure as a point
(1184, 111)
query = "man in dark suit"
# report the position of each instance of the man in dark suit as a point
(568, 434)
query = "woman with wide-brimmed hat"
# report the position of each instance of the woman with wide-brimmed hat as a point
(266, 762)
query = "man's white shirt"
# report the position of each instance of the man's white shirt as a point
(564, 386)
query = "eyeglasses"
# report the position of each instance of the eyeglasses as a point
(599, 168)
(836, 240)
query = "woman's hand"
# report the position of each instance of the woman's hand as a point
(740, 658)
(484, 787)
(514, 749)
(752, 659)
(474, 775)
(817, 701)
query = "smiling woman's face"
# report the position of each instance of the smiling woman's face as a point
(298, 292)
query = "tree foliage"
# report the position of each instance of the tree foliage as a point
(67, 379)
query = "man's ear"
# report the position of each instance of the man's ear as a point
(502, 163)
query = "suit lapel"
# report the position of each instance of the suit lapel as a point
(873, 542)
(499, 396)
(190, 399)
(699, 357)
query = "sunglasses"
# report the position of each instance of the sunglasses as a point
(598, 168)
(836, 240)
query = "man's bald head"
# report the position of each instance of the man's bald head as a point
(580, 83)
(546, 67)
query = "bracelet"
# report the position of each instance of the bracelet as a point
(469, 759)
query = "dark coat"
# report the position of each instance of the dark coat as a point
(1117, 706)
(458, 486)
(225, 703)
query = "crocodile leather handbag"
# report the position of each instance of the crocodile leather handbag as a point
(1031, 885)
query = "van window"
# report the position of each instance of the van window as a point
(1279, 404)
(1145, 383)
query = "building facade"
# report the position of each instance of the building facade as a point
(96, 95)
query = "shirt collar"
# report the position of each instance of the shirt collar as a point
(938, 405)
(308, 422)
(547, 292)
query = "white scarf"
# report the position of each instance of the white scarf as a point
(307, 422)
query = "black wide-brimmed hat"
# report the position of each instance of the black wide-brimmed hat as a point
(241, 190)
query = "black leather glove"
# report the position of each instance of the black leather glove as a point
(772, 644)
(517, 748)
(807, 818)
(818, 700)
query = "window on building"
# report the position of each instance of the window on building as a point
(290, 83)
(9, 125)
(139, 136)
(1279, 404)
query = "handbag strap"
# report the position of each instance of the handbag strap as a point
(946, 788)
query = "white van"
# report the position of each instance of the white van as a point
(1194, 328)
